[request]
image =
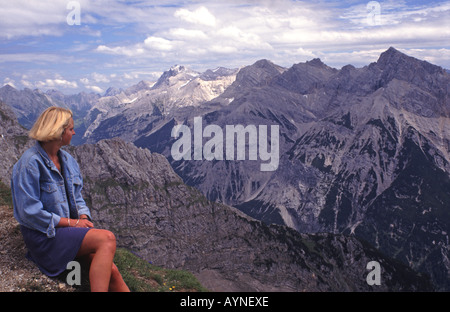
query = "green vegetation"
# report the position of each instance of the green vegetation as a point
(5, 195)
(142, 276)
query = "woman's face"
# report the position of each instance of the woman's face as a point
(68, 133)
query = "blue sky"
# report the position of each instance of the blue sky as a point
(83, 45)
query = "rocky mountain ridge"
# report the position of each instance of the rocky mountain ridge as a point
(146, 105)
(160, 218)
(363, 151)
(13, 141)
(26, 104)
(347, 138)
(136, 194)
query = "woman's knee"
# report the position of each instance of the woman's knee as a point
(103, 239)
(108, 240)
(96, 240)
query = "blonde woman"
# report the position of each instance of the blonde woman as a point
(55, 222)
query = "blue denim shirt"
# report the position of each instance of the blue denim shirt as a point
(42, 195)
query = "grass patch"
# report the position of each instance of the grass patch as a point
(5, 195)
(142, 276)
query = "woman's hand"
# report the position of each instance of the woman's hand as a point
(83, 222)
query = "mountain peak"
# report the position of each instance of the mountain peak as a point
(395, 64)
(112, 91)
(258, 74)
(176, 69)
(142, 85)
(212, 74)
(172, 72)
(316, 62)
(391, 56)
(393, 50)
(263, 63)
(7, 88)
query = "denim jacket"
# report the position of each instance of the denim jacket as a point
(42, 195)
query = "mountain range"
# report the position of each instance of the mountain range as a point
(363, 152)
(162, 220)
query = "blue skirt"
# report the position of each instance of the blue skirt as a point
(52, 255)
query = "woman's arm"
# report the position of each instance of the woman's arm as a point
(28, 208)
(82, 222)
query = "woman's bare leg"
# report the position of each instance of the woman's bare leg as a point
(100, 245)
(117, 283)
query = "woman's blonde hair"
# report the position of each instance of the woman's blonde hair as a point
(51, 124)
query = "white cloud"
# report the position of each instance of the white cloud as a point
(356, 58)
(100, 77)
(56, 83)
(182, 33)
(134, 50)
(21, 17)
(27, 57)
(27, 84)
(130, 76)
(242, 38)
(433, 56)
(157, 43)
(200, 16)
(95, 89)
(388, 13)
(305, 53)
(223, 49)
(294, 30)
